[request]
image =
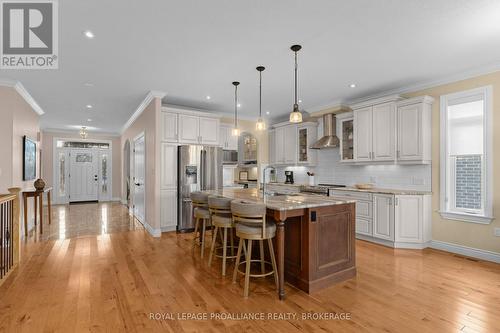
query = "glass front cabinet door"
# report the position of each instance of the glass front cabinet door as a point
(347, 139)
(307, 134)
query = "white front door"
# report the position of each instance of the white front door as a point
(139, 180)
(83, 175)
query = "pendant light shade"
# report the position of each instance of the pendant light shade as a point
(260, 125)
(235, 131)
(295, 115)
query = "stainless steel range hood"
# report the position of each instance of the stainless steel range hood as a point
(329, 139)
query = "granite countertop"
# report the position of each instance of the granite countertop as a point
(383, 191)
(283, 184)
(280, 202)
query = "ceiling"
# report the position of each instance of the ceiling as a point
(190, 49)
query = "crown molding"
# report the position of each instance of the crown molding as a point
(140, 109)
(18, 86)
(76, 132)
(423, 85)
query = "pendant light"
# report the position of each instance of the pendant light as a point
(235, 131)
(83, 132)
(261, 125)
(295, 115)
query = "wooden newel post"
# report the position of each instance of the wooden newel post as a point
(16, 223)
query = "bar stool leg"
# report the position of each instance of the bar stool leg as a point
(232, 241)
(212, 248)
(224, 252)
(238, 258)
(247, 271)
(273, 261)
(203, 237)
(196, 226)
(262, 263)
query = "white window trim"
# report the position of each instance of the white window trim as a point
(487, 218)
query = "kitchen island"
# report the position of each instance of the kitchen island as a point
(315, 237)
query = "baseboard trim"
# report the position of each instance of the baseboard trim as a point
(152, 231)
(466, 251)
(169, 228)
(396, 245)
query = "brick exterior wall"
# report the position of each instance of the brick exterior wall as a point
(468, 181)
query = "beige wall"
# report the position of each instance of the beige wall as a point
(147, 122)
(17, 119)
(48, 158)
(457, 232)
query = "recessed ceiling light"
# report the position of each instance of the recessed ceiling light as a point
(89, 34)
(267, 112)
(300, 101)
(352, 85)
(88, 84)
(239, 105)
(89, 120)
(208, 97)
(88, 106)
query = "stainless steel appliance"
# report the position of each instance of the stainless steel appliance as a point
(329, 139)
(230, 157)
(320, 189)
(199, 168)
(288, 177)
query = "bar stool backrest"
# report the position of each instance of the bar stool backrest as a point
(249, 213)
(219, 205)
(199, 199)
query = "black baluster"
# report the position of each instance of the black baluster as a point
(2, 218)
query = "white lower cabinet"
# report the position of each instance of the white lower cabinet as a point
(383, 216)
(401, 221)
(168, 210)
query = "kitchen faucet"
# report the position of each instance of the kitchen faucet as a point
(264, 192)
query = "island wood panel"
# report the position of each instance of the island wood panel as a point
(319, 251)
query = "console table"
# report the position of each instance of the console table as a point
(35, 194)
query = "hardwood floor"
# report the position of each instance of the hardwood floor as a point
(112, 279)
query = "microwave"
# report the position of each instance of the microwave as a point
(230, 157)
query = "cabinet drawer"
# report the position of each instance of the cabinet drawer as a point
(351, 194)
(364, 209)
(363, 227)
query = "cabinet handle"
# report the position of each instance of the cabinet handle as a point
(396, 201)
(390, 201)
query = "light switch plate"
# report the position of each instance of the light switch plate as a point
(496, 231)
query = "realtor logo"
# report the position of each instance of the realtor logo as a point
(29, 37)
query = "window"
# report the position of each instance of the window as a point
(466, 156)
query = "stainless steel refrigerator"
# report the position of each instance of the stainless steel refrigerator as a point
(199, 169)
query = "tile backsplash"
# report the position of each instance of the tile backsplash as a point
(329, 170)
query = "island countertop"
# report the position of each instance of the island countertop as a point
(280, 202)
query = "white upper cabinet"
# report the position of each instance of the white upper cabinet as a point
(383, 216)
(363, 134)
(189, 128)
(392, 129)
(414, 129)
(280, 145)
(209, 131)
(289, 144)
(169, 126)
(272, 147)
(227, 140)
(384, 132)
(306, 136)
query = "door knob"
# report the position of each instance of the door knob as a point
(137, 184)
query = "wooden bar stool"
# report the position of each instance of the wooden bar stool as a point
(202, 218)
(250, 221)
(220, 210)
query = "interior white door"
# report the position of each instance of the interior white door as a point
(384, 132)
(84, 179)
(363, 134)
(139, 179)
